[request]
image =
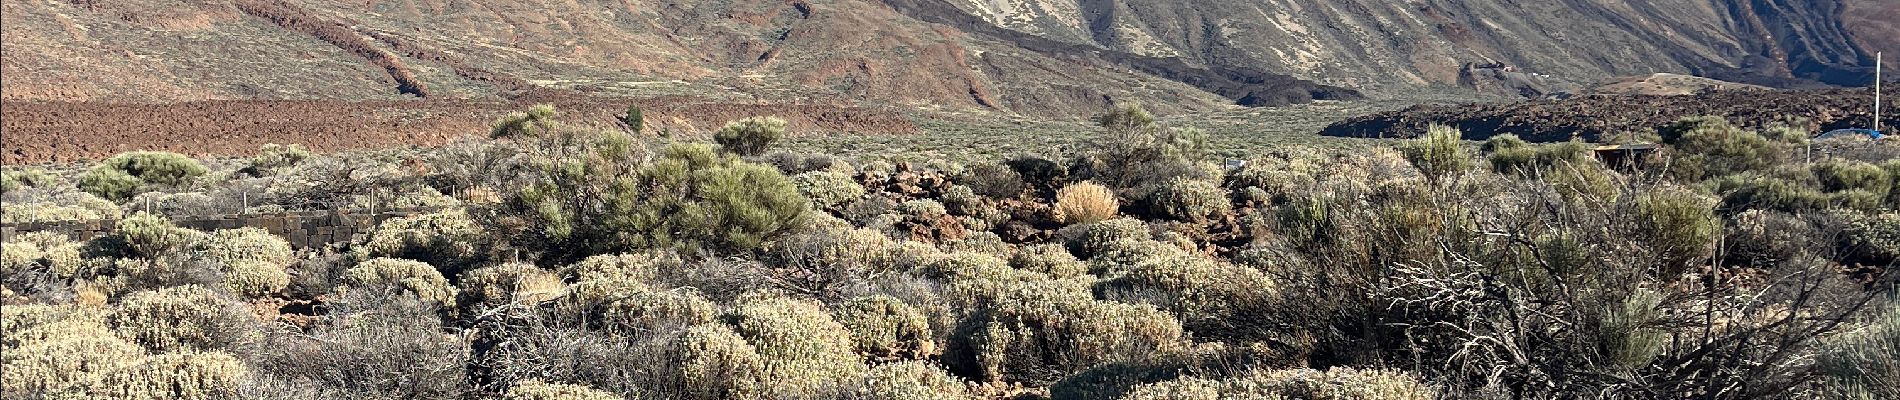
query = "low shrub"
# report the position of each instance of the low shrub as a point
(1190, 200)
(993, 180)
(177, 376)
(1048, 259)
(145, 235)
(507, 283)
(183, 318)
(828, 189)
(910, 380)
(1036, 331)
(1088, 239)
(538, 390)
(448, 239)
(407, 276)
(51, 350)
(75, 207)
(252, 260)
(884, 327)
(750, 136)
(1337, 383)
(711, 362)
(802, 348)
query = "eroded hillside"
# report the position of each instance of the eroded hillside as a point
(1034, 57)
(1386, 46)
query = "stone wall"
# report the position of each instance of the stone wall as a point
(302, 229)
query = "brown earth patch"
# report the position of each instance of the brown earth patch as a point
(58, 132)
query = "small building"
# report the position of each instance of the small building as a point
(1630, 156)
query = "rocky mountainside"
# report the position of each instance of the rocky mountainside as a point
(1036, 57)
(1397, 45)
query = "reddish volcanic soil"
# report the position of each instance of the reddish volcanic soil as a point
(39, 132)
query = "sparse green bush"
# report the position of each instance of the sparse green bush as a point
(1334, 384)
(1754, 190)
(121, 176)
(447, 239)
(14, 179)
(502, 284)
(1136, 153)
(177, 376)
(690, 198)
(1438, 154)
(538, 390)
(109, 183)
(910, 380)
(1865, 363)
(274, 157)
(1190, 200)
(1085, 202)
(1711, 147)
(414, 277)
(635, 119)
(828, 188)
(538, 121)
(885, 327)
(750, 136)
(1839, 176)
(1681, 226)
(183, 318)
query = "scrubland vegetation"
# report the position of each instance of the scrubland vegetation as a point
(552, 262)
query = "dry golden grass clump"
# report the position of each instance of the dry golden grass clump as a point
(1085, 202)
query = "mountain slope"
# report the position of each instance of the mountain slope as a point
(1387, 46)
(1037, 57)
